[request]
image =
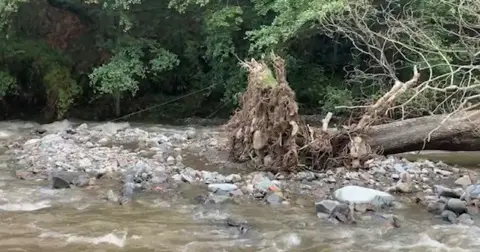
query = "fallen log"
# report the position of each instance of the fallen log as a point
(267, 129)
(457, 132)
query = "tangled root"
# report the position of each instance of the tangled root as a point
(265, 128)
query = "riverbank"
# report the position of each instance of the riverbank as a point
(119, 164)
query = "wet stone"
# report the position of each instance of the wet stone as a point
(443, 191)
(359, 195)
(436, 207)
(60, 183)
(463, 181)
(274, 199)
(456, 205)
(449, 216)
(224, 187)
(111, 196)
(465, 219)
(81, 181)
(326, 206)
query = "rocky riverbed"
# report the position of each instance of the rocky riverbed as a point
(125, 175)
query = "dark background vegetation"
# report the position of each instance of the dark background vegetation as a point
(101, 59)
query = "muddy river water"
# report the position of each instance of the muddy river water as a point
(34, 217)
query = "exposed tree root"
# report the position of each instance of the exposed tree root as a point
(265, 128)
(268, 131)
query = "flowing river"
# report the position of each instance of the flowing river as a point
(34, 217)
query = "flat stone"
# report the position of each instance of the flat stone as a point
(359, 195)
(326, 206)
(224, 187)
(442, 172)
(443, 191)
(463, 181)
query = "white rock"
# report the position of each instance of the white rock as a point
(82, 126)
(359, 195)
(223, 186)
(463, 181)
(84, 163)
(170, 160)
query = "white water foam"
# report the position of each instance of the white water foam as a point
(25, 206)
(110, 238)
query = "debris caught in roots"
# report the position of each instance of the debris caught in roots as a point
(267, 128)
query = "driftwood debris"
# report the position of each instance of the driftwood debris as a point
(267, 129)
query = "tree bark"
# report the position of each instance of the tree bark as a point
(458, 132)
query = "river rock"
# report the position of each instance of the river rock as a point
(81, 180)
(442, 172)
(111, 196)
(443, 191)
(436, 207)
(463, 181)
(170, 160)
(224, 187)
(449, 216)
(402, 187)
(274, 198)
(360, 195)
(261, 182)
(233, 178)
(471, 192)
(84, 163)
(465, 219)
(326, 206)
(60, 183)
(457, 206)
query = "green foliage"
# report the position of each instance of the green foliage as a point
(123, 71)
(293, 18)
(7, 83)
(7, 8)
(60, 85)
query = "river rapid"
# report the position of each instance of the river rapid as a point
(35, 217)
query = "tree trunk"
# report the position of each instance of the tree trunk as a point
(117, 99)
(454, 133)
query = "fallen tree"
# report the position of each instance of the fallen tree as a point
(267, 129)
(390, 39)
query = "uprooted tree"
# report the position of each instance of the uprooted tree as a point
(436, 108)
